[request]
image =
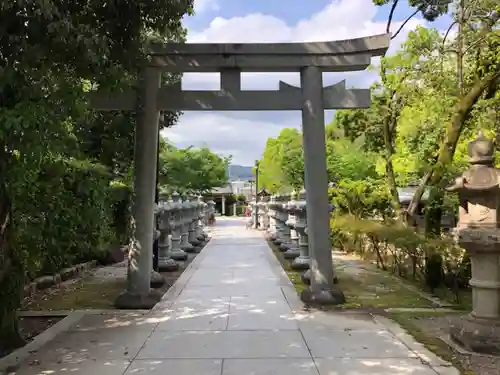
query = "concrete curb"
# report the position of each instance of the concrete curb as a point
(173, 292)
(443, 310)
(287, 287)
(62, 313)
(15, 358)
(419, 349)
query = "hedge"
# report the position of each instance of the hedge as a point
(71, 213)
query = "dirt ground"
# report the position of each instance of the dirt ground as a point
(30, 327)
(429, 328)
(97, 290)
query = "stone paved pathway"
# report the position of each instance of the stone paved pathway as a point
(232, 312)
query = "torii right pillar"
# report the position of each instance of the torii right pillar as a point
(322, 289)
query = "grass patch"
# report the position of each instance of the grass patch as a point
(375, 289)
(82, 294)
(463, 303)
(365, 289)
(431, 343)
(91, 292)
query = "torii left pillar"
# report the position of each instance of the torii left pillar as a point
(140, 263)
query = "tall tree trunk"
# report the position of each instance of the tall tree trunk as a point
(434, 212)
(11, 273)
(453, 132)
(390, 123)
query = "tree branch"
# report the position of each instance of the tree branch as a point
(404, 24)
(391, 14)
(448, 31)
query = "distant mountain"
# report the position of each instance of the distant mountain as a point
(240, 172)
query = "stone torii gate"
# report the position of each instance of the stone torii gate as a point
(230, 60)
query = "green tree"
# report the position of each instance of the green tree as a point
(282, 164)
(196, 170)
(50, 54)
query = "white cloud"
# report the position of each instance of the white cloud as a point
(201, 6)
(243, 135)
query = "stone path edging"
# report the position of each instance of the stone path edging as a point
(72, 317)
(181, 281)
(18, 356)
(66, 274)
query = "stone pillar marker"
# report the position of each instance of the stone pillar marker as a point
(478, 231)
(322, 290)
(223, 209)
(138, 294)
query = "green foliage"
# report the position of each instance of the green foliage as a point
(196, 170)
(282, 164)
(57, 156)
(398, 248)
(432, 97)
(65, 217)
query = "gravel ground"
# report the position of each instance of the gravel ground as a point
(438, 327)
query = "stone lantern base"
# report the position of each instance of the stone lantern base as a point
(300, 263)
(129, 301)
(477, 335)
(157, 280)
(323, 297)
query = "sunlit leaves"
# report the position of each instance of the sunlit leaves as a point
(196, 170)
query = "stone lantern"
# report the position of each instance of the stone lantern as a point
(193, 222)
(293, 247)
(478, 231)
(176, 251)
(271, 213)
(302, 261)
(278, 208)
(165, 262)
(210, 212)
(186, 222)
(200, 235)
(285, 230)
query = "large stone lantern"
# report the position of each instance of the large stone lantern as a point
(302, 261)
(176, 251)
(165, 262)
(478, 231)
(293, 246)
(186, 223)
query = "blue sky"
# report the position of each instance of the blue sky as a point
(243, 134)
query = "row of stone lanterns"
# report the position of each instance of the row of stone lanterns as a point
(478, 232)
(285, 220)
(181, 228)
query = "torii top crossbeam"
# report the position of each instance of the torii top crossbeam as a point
(231, 59)
(342, 55)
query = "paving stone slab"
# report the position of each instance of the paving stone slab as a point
(338, 321)
(74, 367)
(260, 313)
(104, 344)
(231, 290)
(375, 366)
(354, 344)
(187, 318)
(132, 321)
(271, 366)
(176, 367)
(224, 344)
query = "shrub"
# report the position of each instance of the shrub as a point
(63, 214)
(399, 249)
